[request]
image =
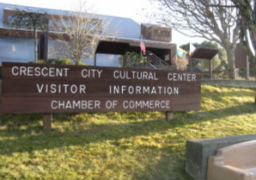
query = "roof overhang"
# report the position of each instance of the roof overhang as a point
(136, 42)
(204, 53)
(121, 45)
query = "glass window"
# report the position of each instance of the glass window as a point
(89, 61)
(16, 49)
(110, 60)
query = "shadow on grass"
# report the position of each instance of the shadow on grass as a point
(95, 133)
(219, 96)
(25, 142)
(166, 167)
(246, 108)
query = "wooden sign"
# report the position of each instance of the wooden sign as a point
(35, 88)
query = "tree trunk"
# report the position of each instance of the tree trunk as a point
(77, 61)
(254, 60)
(35, 46)
(231, 62)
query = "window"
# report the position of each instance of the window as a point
(164, 33)
(110, 60)
(16, 49)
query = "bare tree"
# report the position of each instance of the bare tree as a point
(80, 36)
(247, 13)
(201, 18)
(247, 17)
(79, 33)
(34, 21)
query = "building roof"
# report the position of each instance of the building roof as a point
(122, 27)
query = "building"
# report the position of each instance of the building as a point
(16, 44)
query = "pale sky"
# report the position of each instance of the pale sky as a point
(134, 9)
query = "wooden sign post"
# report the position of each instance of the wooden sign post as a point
(35, 88)
(169, 116)
(47, 122)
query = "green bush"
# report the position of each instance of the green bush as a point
(66, 61)
(133, 59)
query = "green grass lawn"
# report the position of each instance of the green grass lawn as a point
(126, 146)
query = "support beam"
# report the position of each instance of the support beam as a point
(190, 63)
(247, 67)
(94, 59)
(47, 118)
(210, 69)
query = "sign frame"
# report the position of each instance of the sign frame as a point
(39, 88)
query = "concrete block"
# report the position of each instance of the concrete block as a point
(198, 151)
(237, 162)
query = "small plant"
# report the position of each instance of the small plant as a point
(61, 61)
(66, 61)
(133, 59)
(40, 61)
